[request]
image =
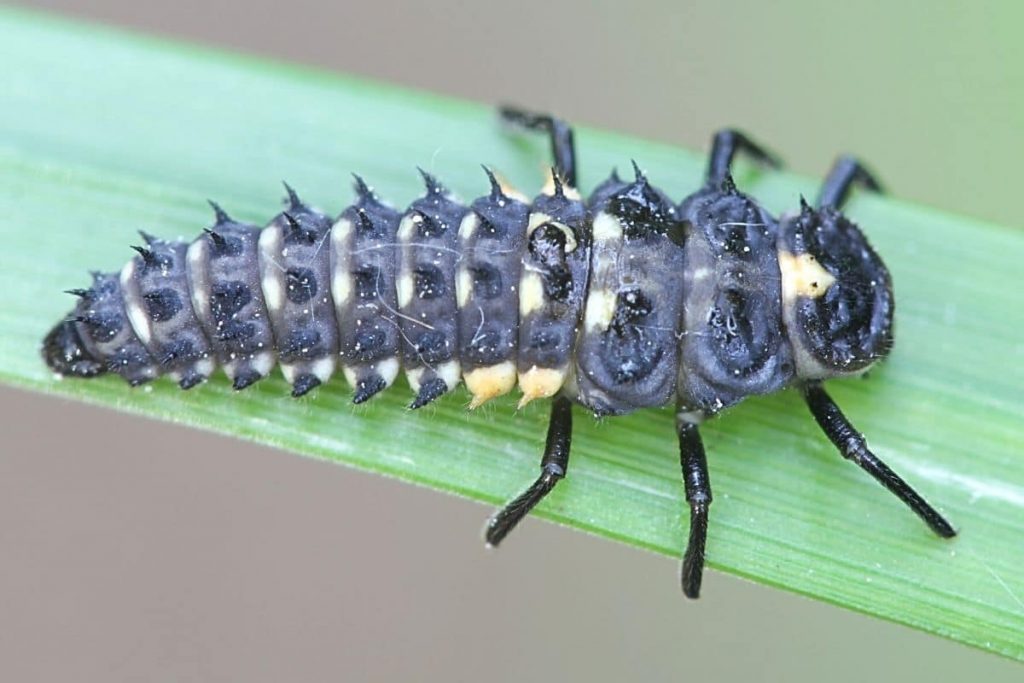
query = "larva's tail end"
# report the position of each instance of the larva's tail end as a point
(66, 354)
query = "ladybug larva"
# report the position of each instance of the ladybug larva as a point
(621, 301)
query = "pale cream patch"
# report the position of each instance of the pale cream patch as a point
(800, 274)
(230, 369)
(509, 189)
(341, 287)
(195, 262)
(406, 229)
(701, 274)
(531, 293)
(540, 383)
(600, 309)
(272, 275)
(289, 371)
(388, 370)
(694, 417)
(490, 382)
(450, 373)
(323, 368)
(273, 293)
(807, 366)
(463, 286)
(340, 232)
(571, 386)
(341, 283)
(263, 363)
(803, 276)
(569, 191)
(606, 227)
(405, 287)
(133, 304)
(468, 226)
(415, 378)
(350, 375)
(205, 366)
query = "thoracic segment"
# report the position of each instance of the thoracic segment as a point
(621, 301)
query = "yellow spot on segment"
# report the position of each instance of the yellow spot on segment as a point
(549, 187)
(802, 275)
(607, 227)
(600, 309)
(490, 382)
(540, 383)
(531, 293)
(509, 189)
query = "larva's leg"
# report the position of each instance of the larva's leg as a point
(852, 446)
(698, 495)
(723, 149)
(846, 172)
(553, 467)
(562, 147)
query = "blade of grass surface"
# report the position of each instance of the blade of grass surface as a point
(102, 133)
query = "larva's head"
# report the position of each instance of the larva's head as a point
(836, 294)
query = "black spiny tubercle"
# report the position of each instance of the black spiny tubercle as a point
(619, 301)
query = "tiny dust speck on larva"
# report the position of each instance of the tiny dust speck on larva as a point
(621, 301)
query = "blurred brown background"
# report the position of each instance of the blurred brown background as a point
(173, 555)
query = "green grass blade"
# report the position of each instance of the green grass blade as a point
(102, 133)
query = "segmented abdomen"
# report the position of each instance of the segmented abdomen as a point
(434, 289)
